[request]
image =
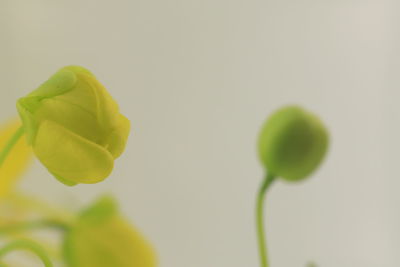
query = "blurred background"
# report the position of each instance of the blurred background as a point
(197, 79)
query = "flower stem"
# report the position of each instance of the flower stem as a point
(10, 144)
(26, 226)
(260, 219)
(27, 245)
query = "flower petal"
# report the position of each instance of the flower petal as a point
(70, 156)
(117, 139)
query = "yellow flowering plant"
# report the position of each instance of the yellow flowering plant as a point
(74, 127)
(97, 236)
(90, 240)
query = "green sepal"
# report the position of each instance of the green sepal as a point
(101, 210)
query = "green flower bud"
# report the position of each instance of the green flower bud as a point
(292, 143)
(102, 238)
(74, 126)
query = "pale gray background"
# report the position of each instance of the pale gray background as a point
(197, 79)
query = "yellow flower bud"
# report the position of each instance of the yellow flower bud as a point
(292, 143)
(102, 238)
(74, 126)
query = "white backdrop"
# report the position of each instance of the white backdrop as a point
(197, 79)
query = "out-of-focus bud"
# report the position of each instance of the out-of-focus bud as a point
(74, 126)
(102, 238)
(292, 143)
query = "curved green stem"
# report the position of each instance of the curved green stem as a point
(16, 227)
(10, 144)
(260, 219)
(27, 245)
